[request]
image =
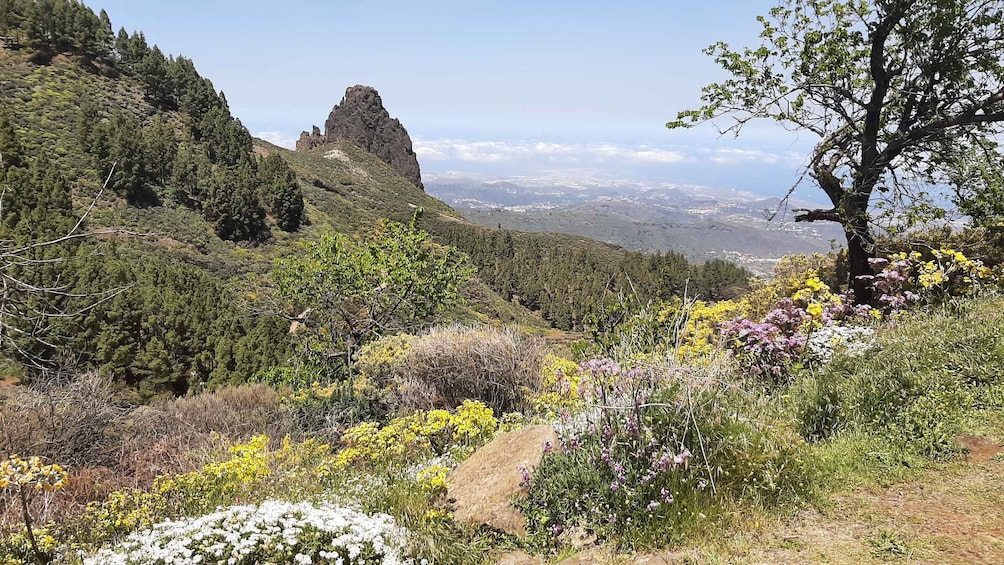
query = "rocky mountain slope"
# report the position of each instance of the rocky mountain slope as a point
(361, 119)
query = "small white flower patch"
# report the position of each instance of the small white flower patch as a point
(853, 341)
(273, 532)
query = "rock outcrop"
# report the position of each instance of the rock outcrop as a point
(481, 489)
(361, 119)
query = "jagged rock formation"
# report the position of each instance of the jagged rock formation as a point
(361, 119)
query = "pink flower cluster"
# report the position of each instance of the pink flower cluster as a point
(893, 282)
(636, 466)
(769, 348)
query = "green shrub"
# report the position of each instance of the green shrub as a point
(927, 373)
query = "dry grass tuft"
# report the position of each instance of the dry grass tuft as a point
(451, 364)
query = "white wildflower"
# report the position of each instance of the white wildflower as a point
(234, 533)
(853, 341)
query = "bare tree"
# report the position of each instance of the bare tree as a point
(27, 309)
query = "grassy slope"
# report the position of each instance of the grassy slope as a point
(350, 187)
(874, 508)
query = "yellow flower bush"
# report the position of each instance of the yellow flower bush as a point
(790, 276)
(25, 477)
(253, 470)
(377, 359)
(121, 512)
(699, 339)
(952, 270)
(561, 386)
(31, 473)
(815, 296)
(423, 434)
(16, 548)
(433, 478)
(940, 276)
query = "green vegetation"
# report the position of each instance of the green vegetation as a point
(664, 445)
(350, 292)
(578, 283)
(201, 346)
(184, 179)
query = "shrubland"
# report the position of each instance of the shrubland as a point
(222, 378)
(700, 418)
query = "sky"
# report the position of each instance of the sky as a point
(506, 88)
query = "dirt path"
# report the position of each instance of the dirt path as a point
(950, 515)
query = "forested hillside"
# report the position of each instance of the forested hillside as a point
(85, 108)
(190, 213)
(569, 280)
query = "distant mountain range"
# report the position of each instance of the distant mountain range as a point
(700, 222)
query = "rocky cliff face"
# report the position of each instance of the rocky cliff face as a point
(361, 119)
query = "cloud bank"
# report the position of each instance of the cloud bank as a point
(499, 152)
(515, 151)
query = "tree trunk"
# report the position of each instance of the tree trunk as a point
(860, 248)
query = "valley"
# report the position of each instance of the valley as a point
(699, 222)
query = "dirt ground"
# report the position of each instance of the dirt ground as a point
(948, 515)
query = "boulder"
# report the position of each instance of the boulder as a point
(482, 488)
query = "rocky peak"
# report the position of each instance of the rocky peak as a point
(360, 118)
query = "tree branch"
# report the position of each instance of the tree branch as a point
(806, 215)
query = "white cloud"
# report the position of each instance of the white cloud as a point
(280, 138)
(728, 156)
(508, 151)
(640, 154)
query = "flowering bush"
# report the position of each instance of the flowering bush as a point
(618, 464)
(652, 454)
(770, 348)
(767, 349)
(853, 341)
(250, 464)
(32, 474)
(905, 279)
(251, 471)
(698, 339)
(19, 548)
(418, 436)
(272, 532)
(23, 478)
(561, 387)
(790, 275)
(379, 360)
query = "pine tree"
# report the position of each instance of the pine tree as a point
(280, 192)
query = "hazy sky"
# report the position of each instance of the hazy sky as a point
(507, 88)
